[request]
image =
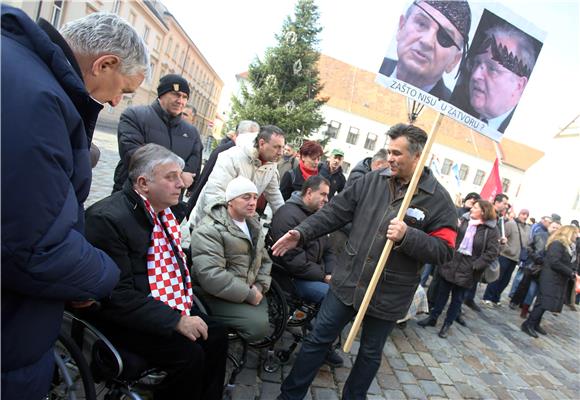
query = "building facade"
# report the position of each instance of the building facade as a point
(170, 48)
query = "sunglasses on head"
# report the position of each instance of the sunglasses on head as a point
(443, 37)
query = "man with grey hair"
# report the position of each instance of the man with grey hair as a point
(53, 87)
(148, 314)
(378, 161)
(497, 72)
(249, 127)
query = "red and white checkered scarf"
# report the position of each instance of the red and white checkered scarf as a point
(165, 279)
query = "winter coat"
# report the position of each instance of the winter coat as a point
(558, 269)
(140, 125)
(370, 203)
(464, 270)
(122, 227)
(48, 119)
(362, 168)
(199, 182)
(292, 181)
(314, 259)
(337, 179)
(286, 165)
(238, 161)
(225, 262)
(513, 231)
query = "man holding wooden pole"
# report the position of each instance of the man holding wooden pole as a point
(425, 235)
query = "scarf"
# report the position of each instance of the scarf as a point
(466, 246)
(307, 172)
(165, 280)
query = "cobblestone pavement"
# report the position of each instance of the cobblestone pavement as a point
(489, 359)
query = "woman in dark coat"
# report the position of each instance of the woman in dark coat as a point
(292, 181)
(557, 270)
(477, 245)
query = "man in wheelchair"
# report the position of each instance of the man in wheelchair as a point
(309, 265)
(231, 264)
(151, 312)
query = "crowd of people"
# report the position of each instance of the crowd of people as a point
(124, 267)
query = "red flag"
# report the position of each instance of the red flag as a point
(493, 184)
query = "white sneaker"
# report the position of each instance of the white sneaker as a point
(487, 303)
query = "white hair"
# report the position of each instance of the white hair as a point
(147, 157)
(105, 33)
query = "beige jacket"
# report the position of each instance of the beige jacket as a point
(234, 162)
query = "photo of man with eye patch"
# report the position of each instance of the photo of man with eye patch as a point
(496, 72)
(432, 39)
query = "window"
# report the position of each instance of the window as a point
(447, 164)
(479, 175)
(505, 185)
(132, 18)
(333, 128)
(116, 7)
(146, 34)
(175, 52)
(463, 172)
(352, 137)
(371, 141)
(169, 44)
(56, 14)
(182, 57)
(157, 43)
(152, 73)
(345, 167)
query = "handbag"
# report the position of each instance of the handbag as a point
(491, 273)
(577, 284)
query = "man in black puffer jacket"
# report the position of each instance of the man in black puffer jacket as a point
(160, 123)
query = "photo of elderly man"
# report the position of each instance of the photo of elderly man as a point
(432, 38)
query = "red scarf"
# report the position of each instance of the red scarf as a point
(165, 280)
(307, 172)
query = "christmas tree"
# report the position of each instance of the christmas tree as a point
(283, 88)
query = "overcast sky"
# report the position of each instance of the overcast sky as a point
(232, 33)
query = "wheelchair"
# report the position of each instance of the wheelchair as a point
(88, 366)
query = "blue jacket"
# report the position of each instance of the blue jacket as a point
(46, 176)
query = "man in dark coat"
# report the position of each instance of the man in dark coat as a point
(378, 161)
(160, 123)
(145, 314)
(53, 87)
(431, 40)
(427, 234)
(332, 170)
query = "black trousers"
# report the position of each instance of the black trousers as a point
(535, 317)
(195, 370)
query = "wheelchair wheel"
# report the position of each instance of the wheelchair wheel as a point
(72, 377)
(277, 314)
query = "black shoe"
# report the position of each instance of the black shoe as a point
(444, 332)
(528, 330)
(513, 305)
(460, 320)
(429, 321)
(471, 304)
(333, 359)
(540, 330)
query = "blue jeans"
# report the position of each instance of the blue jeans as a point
(517, 279)
(532, 291)
(457, 295)
(311, 291)
(330, 321)
(425, 274)
(494, 289)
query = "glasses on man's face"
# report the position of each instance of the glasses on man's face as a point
(443, 37)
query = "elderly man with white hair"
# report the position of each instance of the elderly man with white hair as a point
(53, 87)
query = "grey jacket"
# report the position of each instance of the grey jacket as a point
(225, 262)
(370, 204)
(514, 246)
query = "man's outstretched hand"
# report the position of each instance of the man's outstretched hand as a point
(286, 242)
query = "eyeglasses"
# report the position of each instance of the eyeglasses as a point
(443, 37)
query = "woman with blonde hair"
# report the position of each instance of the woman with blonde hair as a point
(557, 270)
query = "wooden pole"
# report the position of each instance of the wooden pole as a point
(389, 245)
